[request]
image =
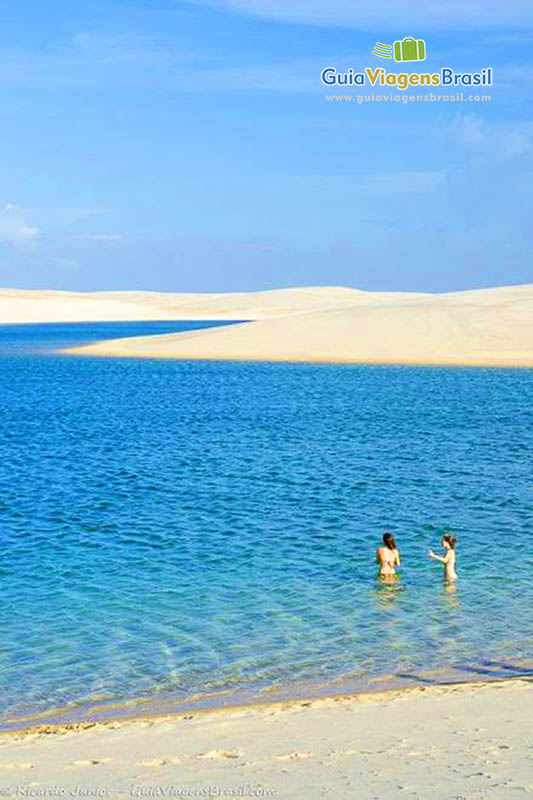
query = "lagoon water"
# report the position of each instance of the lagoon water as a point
(174, 529)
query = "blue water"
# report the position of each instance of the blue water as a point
(171, 529)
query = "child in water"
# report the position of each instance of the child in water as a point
(448, 542)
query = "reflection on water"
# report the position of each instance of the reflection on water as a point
(387, 590)
(451, 595)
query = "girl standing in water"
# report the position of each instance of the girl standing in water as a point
(448, 542)
(388, 557)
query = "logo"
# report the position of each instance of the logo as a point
(382, 50)
(407, 49)
(404, 50)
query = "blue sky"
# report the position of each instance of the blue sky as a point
(188, 146)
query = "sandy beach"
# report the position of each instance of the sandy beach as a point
(487, 327)
(466, 741)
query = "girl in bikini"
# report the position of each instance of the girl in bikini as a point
(388, 557)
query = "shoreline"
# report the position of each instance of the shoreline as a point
(244, 699)
(104, 349)
(464, 741)
(268, 705)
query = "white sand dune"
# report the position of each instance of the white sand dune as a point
(492, 327)
(24, 306)
(329, 324)
(470, 741)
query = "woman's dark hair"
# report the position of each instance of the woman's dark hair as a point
(388, 541)
(452, 541)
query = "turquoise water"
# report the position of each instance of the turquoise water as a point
(172, 529)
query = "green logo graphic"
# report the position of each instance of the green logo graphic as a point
(410, 50)
(382, 50)
(407, 49)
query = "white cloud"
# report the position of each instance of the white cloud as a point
(302, 75)
(515, 73)
(32, 227)
(90, 59)
(15, 227)
(103, 238)
(416, 182)
(126, 49)
(417, 15)
(48, 218)
(495, 140)
(65, 264)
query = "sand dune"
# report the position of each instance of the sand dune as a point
(484, 327)
(23, 306)
(321, 324)
(470, 741)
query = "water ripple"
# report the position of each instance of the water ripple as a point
(182, 528)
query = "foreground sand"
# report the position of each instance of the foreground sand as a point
(490, 327)
(471, 741)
